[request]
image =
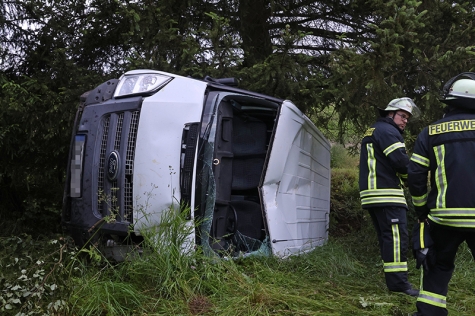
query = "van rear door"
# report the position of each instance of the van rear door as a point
(296, 186)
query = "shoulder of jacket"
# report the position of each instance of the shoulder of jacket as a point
(387, 128)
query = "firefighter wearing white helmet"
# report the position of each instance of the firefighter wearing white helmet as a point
(443, 153)
(401, 104)
(383, 169)
(460, 94)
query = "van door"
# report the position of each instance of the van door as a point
(237, 147)
(296, 186)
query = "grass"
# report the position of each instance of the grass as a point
(343, 277)
(48, 276)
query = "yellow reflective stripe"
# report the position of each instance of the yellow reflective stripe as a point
(432, 299)
(453, 212)
(421, 235)
(392, 192)
(376, 200)
(382, 196)
(419, 200)
(453, 222)
(467, 214)
(396, 243)
(395, 266)
(420, 160)
(371, 167)
(402, 175)
(393, 147)
(440, 178)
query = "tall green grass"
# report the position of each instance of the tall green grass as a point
(343, 277)
(170, 276)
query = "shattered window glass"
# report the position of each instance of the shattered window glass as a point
(236, 243)
(209, 189)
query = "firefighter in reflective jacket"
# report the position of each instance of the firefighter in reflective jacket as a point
(445, 151)
(383, 169)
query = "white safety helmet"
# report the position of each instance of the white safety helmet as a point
(405, 104)
(459, 91)
(462, 88)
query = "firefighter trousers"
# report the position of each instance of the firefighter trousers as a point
(391, 228)
(435, 282)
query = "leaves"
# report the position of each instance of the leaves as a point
(413, 51)
(335, 60)
(32, 275)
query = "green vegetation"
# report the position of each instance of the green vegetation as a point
(337, 65)
(332, 280)
(46, 276)
(343, 277)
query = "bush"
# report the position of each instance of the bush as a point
(35, 275)
(341, 158)
(346, 214)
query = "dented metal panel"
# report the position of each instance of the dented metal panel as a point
(296, 186)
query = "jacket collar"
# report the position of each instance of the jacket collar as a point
(391, 122)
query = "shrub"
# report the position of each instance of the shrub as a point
(346, 214)
(34, 275)
(341, 158)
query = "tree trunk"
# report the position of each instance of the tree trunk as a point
(254, 28)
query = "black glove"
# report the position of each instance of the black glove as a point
(424, 257)
(423, 246)
(422, 212)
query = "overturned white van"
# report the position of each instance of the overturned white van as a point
(252, 167)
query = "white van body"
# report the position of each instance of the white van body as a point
(253, 168)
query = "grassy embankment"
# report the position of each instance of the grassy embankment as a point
(343, 277)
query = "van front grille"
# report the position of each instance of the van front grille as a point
(119, 134)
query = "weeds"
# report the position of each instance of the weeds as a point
(33, 278)
(172, 276)
(97, 295)
(341, 158)
(343, 277)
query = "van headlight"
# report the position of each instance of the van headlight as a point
(140, 84)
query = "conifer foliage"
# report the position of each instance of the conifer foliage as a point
(334, 59)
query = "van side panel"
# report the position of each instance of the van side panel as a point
(296, 186)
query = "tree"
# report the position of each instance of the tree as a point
(337, 60)
(414, 49)
(41, 79)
